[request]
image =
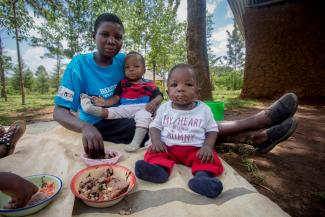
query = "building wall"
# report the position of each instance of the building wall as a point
(285, 50)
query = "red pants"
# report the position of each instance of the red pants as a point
(185, 155)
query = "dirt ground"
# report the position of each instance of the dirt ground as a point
(294, 171)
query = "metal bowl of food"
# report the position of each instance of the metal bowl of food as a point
(49, 187)
(102, 185)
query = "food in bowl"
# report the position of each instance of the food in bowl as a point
(49, 186)
(108, 155)
(102, 185)
(105, 187)
(46, 190)
(111, 157)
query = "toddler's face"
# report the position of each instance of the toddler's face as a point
(134, 68)
(182, 88)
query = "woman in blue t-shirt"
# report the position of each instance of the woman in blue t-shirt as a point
(97, 74)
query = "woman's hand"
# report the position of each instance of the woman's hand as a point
(92, 141)
(157, 147)
(205, 154)
(98, 101)
(19, 189)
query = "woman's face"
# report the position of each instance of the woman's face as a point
(109, 39)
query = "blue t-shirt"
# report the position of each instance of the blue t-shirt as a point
(83, 75)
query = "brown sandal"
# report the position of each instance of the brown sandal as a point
(11, 137)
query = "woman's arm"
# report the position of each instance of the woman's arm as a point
(91, 138)
(67, 119)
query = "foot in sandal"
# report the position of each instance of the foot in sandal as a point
(9, 139)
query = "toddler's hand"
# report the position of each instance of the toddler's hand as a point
(157, 147)
(205, 154)
(98, 101)
(151, 107)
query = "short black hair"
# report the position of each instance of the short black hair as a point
(134, 53)
(181, 65)
(107, 17)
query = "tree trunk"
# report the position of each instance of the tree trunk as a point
(2, 71)
(58, 66)
(154, 71)
(197, 54)
(285, 50)
(21, 76)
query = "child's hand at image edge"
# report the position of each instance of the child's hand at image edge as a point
(19, 189)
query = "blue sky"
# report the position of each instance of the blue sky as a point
(222, 18)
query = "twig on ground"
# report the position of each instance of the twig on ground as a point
(263, 187)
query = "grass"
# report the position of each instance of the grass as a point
(232, 100)
(253, 169)
(14, 110)
(319, 195)
(244, 151)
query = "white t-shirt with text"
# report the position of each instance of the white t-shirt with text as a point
(184, 127)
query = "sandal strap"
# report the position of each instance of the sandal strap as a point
(6, 142)
(10, 138)
(7, 137)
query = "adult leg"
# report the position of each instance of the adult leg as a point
(3, 151)
(279, 111)
(255, 122)
(266, 139)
